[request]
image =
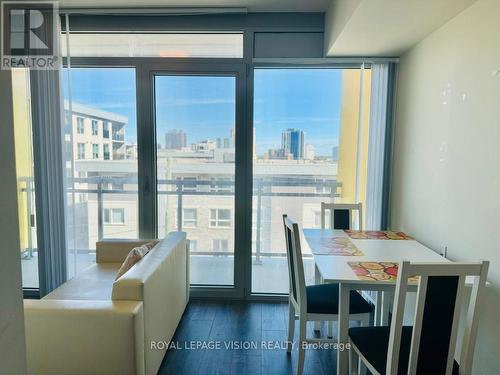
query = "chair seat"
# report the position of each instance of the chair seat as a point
(373, 344)
(324, 299)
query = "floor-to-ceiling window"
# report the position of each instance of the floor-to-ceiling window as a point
(160, 136)
(310, 146)
(192, 117)
(310, 136)
(179, 160)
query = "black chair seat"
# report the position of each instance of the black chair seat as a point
(324, 299)
(373, 344)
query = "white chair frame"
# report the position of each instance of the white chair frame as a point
(351, 207)
(341, 206)
(425, 270)
(297, 305)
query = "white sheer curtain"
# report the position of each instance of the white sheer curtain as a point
(377, 146)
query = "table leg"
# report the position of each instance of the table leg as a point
(387, 301)
(378, 308)
(342, 355)
(317, 281)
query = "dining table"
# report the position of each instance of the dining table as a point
(349, 259)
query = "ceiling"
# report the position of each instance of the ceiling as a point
(251, 5)
(384, 27)
(352, 27)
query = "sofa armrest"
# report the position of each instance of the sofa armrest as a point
(115, 251)
(161, 281)
(84, 337)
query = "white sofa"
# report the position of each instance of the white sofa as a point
(95, 325)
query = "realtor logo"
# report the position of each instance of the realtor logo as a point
(29, 35)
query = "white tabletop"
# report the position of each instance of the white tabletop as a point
(334, 268)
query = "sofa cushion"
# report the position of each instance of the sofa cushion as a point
(116, 250)
(131, 285)
(373, 343)
(324, 299)
(134, 256)
(93, 283)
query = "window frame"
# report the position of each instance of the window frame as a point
(106, 129)
(145, 141)
(109, 218)
(95, 155)
(278, 23)
(216, 222)
(190, 223)
(80, 125)
(164, 48)
(81, 155)
(220, 249)
(104, 152)
(95, 129)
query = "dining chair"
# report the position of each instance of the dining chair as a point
(427, 347)
(315, 302)
(341, 215)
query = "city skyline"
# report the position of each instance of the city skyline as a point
(293, 146)
(203, 107)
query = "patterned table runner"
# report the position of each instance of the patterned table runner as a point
(377, 235)
(378, 271)
(341, 246)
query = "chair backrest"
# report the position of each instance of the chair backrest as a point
(437, 312)
(341, 215)
(295, 265)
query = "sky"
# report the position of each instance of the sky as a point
(204, 107)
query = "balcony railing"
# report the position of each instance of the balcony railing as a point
(263, 187)
(120, 137)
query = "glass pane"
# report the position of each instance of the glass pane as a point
(118, 216)
(155, 45)
(107, 216)
(224, 215)
(306, 139)
(101, 139)
(25, 176)
(193, 245)
(195, 121)
(190, 214)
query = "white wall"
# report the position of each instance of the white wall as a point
(337, 16)
(446, 177)
(384, 27)
(12, 342)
